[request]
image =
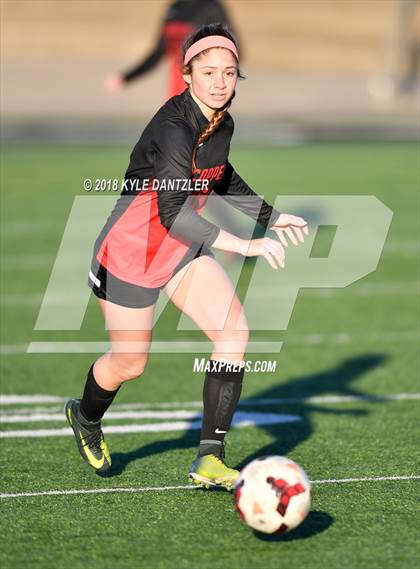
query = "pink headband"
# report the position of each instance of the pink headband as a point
(208, 42)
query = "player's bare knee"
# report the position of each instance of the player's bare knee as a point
(130, 367)
(230, 341)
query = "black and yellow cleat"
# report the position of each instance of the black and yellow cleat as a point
(210, 470)
(89, 437)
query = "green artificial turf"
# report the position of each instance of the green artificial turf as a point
(352, 525)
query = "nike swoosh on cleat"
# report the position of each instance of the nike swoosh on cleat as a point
(92, 459)
(219, 432)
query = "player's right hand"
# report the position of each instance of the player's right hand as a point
(272, 250)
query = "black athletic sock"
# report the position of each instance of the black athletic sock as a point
(221, 392)
(212, 447)
(96, 400)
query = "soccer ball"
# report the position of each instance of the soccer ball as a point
(273, 494)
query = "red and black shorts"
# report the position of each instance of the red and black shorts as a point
(108, 287)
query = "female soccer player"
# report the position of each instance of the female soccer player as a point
(156, 238)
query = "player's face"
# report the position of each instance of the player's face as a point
(213, 79)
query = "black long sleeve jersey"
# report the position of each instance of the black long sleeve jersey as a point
(158, 216)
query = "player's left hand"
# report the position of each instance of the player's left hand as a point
(292, 226)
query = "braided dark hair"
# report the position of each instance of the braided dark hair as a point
(219, 115)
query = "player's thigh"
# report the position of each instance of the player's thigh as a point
(130, 332)
(204, 292)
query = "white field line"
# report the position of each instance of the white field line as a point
(392, 288)
(367, 479)
(193, 418)
(404, 248)
(369, 289)
(167, 347)
(28, 227)
(51, 417)
(37, 261)
(21, 300)
(241, 419)
(117, 429)
(34, 399)
(26, 262)
(28, 399)
(13, 349)
(340, 338)
(191, 487)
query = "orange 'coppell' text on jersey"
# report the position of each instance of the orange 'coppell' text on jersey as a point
(158, 217)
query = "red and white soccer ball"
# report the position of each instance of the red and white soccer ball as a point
(273, 494)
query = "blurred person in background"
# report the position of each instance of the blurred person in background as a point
(410, 46)
(182, 18)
